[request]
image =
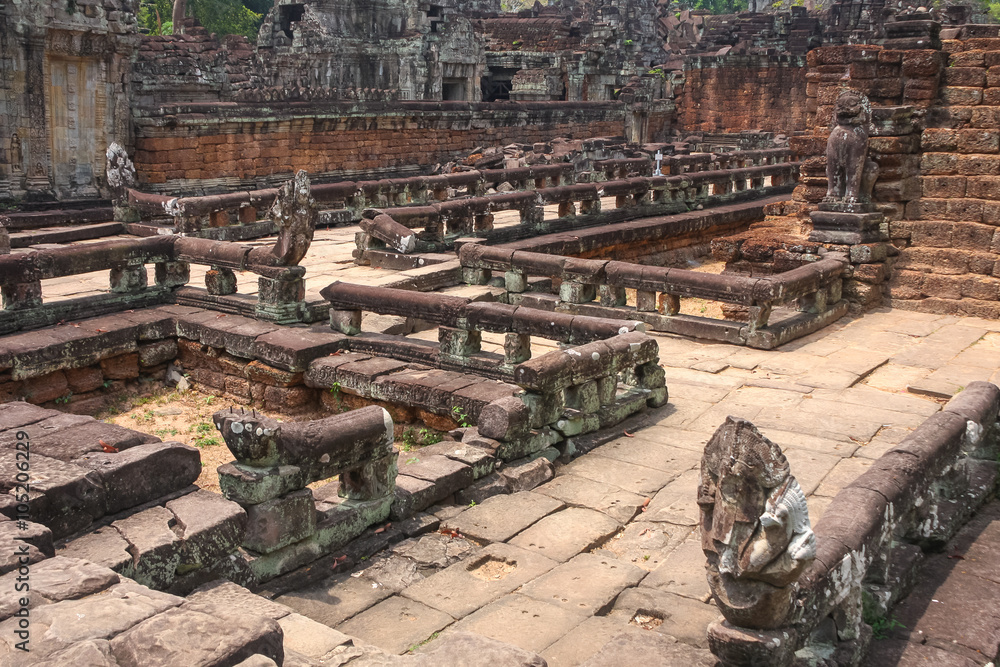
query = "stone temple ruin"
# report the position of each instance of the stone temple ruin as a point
(600, 332)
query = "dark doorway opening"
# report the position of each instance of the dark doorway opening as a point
(289, 14)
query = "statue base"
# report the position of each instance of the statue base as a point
(837, 206)
(846, 228)
(735, 646)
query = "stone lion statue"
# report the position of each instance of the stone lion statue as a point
(850, 172)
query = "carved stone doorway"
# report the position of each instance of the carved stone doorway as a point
(76, 124)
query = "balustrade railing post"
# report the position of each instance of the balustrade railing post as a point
(612, 296)
(759, 315)
(21, 296)
(220, 281)
(172, 274)
(281, 298)
(669, 304)
(128, 279)
(476, 276)
(218, 219)
(459, 343)
(515, 281)
(516, 348)
(247, 215)
(574, 292)
(645, 302)
(484, 222)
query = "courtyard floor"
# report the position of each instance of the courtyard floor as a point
(611, 543)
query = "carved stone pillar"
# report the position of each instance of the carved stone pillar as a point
(37, 183)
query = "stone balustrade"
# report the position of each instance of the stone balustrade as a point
(578, 205)
(870, 538)
(286, 524)
(467, 210)
(673, 165)
(607, 372)
(462, 321)
(282, 288)
(348, 198)
(598, 288)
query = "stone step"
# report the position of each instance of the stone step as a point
(175, 546)
(83, 469)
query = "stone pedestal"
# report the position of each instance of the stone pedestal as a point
(846, 224)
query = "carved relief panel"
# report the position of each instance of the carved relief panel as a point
(76, 124)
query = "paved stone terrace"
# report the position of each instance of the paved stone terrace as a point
(610, 544)
(952, 617)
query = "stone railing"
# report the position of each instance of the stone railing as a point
(557, 396)
(281, 283)
(599, 288)
(461, 323)
(673, 165)
(867, 545)
(286, 525)
(720, 177)
(343, 200)
(280, 299)
(579, 205)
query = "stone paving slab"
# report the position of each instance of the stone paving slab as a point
(337, 599)
(306, 636)
(588, 583)
(650, 649)
(565, 534)
(628, 476)
(644, 453)
(500, 518)
(682, 572)
(645, 544)
(522, 621)
(585, 640)
(683, 618)
(620, 505)
(842, 474)
(396, 624)
(676, 503)
(478, 580)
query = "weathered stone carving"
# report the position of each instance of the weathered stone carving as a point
(754, 526)
(295, 213)
(120, 173)
(16, 156)
(850, 172)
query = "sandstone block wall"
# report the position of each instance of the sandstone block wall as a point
(951, 257)
(742, 92)
(245, 148)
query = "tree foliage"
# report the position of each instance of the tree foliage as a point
(224, 17)
(720, 6)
